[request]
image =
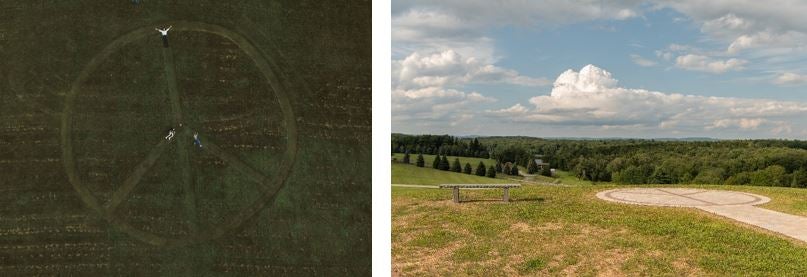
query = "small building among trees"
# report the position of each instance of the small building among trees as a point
(541, 164)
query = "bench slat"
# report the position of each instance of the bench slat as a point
(480, 185)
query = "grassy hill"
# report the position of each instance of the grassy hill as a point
(411, 174)
(549, 230)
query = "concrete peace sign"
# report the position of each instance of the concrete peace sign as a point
(269, 185)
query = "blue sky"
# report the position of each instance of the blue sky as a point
(725, 69)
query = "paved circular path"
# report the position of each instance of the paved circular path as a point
(681, 197)
(732, 204)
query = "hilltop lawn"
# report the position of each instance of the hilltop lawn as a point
(550, 230)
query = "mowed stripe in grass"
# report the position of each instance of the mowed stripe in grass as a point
(568, 231)
(413, 175)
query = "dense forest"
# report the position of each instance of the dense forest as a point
(635, 161)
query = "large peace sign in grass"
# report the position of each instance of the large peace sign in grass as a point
(269, 185)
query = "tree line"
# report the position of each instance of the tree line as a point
(439, 145)
(442, 163)
(635, 161)
(639, 161)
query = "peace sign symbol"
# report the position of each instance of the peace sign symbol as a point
(268, 185)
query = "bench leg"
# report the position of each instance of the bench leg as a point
(506, 195)
(456, 195)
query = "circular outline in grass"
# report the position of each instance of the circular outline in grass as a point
(608, 195)
(264, 64)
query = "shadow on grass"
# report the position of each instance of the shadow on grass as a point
(528, 199)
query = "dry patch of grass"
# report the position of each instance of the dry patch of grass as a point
(686, 266)
(524, 227)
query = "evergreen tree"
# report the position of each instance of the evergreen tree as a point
(799, 179)
(420, 162)
(532, 167)
(474, 147)
(491, 172)
(456, 166)
(498, 166)
(506, 168)
(514, 170)
(480, 169)
(406, 157)
(444, 165)
(467, 169)
(436, 163)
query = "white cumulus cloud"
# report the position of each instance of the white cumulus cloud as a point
(592, 97)
(449, 68)
(429, 86)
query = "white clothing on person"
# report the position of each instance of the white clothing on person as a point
(170, 135)
(164, 32)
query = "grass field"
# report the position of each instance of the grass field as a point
(411, 174)
(550, 230)
(278, 91)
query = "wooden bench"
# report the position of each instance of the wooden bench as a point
(457, 187)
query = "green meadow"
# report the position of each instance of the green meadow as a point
(566, 230)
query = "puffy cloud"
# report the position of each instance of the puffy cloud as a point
(589, 79)
(704, 63)
(432, 103)
(769, 39)
(639, 60)
(422, 30)
(592, 97)
(428, 87)
(449, 68)
(790, 78)
(772, 34)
